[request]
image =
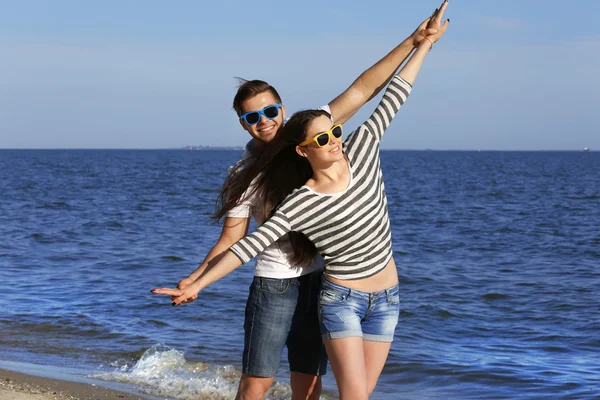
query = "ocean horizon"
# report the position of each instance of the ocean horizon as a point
(241, 147)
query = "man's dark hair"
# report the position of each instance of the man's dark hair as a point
(249, 89)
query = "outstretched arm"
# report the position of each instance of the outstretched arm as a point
(217, 268)
(233, 230)
(225, 263)
(370, 82)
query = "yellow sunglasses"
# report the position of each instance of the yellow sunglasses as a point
(322, 139)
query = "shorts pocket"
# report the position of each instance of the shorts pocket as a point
(329, 296)
(270, 285)
(393, 295)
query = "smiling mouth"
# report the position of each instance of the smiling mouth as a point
(335, 149)
(265, 130)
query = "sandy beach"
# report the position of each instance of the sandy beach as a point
(17, 386)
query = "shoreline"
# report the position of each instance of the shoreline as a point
(22, 386)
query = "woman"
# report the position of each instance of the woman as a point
(338, 202)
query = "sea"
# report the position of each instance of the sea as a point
(498, 256)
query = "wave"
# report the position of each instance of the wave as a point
(163, 371)
(55, 205)
(172, 258)
(495, 296)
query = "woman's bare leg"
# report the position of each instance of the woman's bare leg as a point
(347, 360)
(375, 355)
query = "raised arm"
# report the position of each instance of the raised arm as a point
(410, 71)
(370, 82)
(401, 85)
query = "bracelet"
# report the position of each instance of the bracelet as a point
(430, 43)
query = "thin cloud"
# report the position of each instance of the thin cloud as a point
(467, 97)
(502, 23)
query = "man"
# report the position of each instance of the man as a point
(282, 303)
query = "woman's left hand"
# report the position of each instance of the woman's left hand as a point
(422, 32)
(438, 24)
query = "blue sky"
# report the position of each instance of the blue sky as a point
(154, 74)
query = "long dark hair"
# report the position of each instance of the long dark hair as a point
(271, 175)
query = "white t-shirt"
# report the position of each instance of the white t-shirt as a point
(274, 262)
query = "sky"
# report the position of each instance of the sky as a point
(508, 75)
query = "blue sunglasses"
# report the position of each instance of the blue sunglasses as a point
(269, 112)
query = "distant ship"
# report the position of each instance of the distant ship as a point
(586, 149)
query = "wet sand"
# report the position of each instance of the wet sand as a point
(18, 386)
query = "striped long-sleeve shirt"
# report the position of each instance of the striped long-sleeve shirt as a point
(350, 229)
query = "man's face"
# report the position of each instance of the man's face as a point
(264, 131)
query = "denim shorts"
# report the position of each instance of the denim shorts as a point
(345, 312)
(282, 312)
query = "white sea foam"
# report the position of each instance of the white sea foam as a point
(164, 372)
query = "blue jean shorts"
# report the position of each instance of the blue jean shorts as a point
(279, 313)
(345, 312)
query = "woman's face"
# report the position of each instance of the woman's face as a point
(331, 152)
